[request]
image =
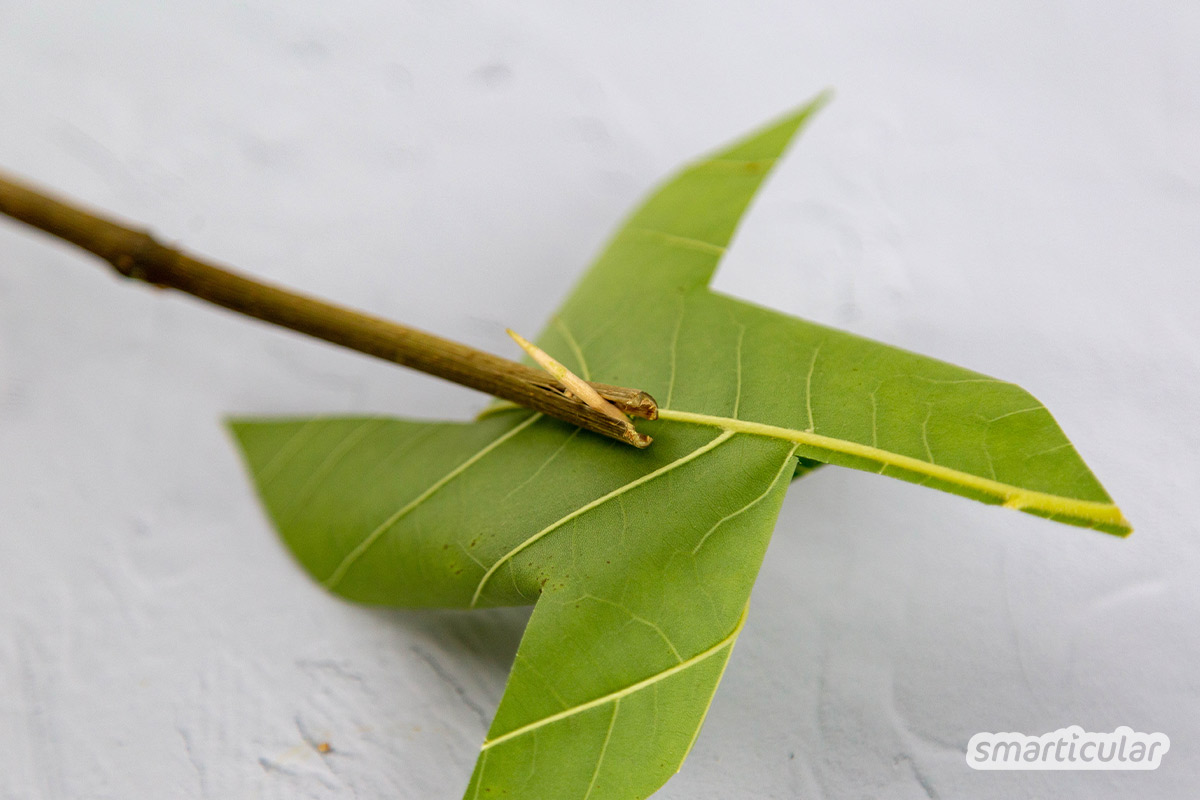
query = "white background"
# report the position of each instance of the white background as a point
(1010, 186)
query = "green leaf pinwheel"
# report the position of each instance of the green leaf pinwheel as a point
(640, 562)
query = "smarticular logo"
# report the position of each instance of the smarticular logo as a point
(1068, 748)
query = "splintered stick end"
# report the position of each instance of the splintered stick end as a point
(578, 387)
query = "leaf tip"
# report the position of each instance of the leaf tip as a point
(1123, 527)
(823, 98)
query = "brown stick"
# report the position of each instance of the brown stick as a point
(136, 254)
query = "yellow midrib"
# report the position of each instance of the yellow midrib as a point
(628, 690)
(1011, 496)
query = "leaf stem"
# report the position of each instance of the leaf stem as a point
(136, 254)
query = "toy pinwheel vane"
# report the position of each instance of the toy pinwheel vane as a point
(640, 562)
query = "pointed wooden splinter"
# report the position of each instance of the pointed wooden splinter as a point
(579, 388)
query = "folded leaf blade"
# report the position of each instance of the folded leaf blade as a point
(620, 660)
(641, 562)
(643, 315)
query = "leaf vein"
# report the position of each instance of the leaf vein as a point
(329, 463)
(574, 345)
(612, 721)
(289, 448)
(340, 571)
(663, 470)
(812, 426)
(675, 350)
(925, 435)
(1014, 413)
(737, 398)
(685, 242)
(639, 619)
(632, 688)
(545, 463)
(786, 463)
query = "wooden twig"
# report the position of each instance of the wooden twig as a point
(136, 254)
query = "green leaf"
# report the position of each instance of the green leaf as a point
(641, 562)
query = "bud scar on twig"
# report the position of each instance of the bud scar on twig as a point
(577, 387)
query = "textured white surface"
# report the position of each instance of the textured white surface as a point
(1010, 186)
